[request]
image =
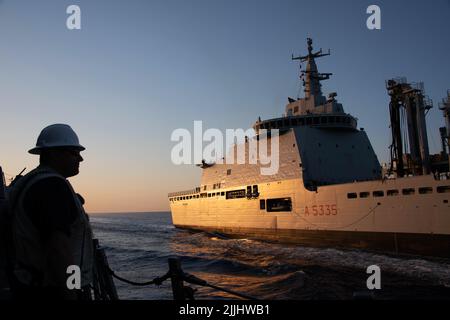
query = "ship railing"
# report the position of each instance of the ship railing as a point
(315, 120)
(177, 276)
(184, 193)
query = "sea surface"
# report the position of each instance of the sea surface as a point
(138, 246)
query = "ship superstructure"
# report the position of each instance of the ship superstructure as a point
(329, 189)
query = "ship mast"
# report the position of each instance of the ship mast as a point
(311, 77)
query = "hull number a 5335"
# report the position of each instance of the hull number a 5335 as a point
(321, 210)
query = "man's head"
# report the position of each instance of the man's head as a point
(59, 148)
(65, 160)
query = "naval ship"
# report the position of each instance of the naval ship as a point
(330, 189)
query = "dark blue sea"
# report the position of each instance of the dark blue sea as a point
(138, 246)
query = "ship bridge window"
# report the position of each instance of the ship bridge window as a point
(262, 204)
(392, 193)
(425, 190)
(408, 191)
(279, 205)
(352, 195)
(443, 189)
(235, 194)
(364, 194)
(378, 194)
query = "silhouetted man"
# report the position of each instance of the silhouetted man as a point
(50, 229)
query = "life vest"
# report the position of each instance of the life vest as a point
(29, 254)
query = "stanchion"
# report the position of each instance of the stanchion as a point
(176, 276)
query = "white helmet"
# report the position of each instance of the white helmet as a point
(56, 135)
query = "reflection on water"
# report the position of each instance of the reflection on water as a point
(138, 246)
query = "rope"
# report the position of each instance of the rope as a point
(157, 281)
(186, 277)
(349, 225)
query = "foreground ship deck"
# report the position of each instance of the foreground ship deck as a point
(328, 191)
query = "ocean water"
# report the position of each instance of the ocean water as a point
(139, 244)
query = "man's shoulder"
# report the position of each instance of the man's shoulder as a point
(48, 187)
(50, 182)
(35, 180)
(50, 204)
(34, 176)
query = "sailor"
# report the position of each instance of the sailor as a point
(50, 230)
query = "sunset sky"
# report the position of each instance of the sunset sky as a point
(138, 70)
